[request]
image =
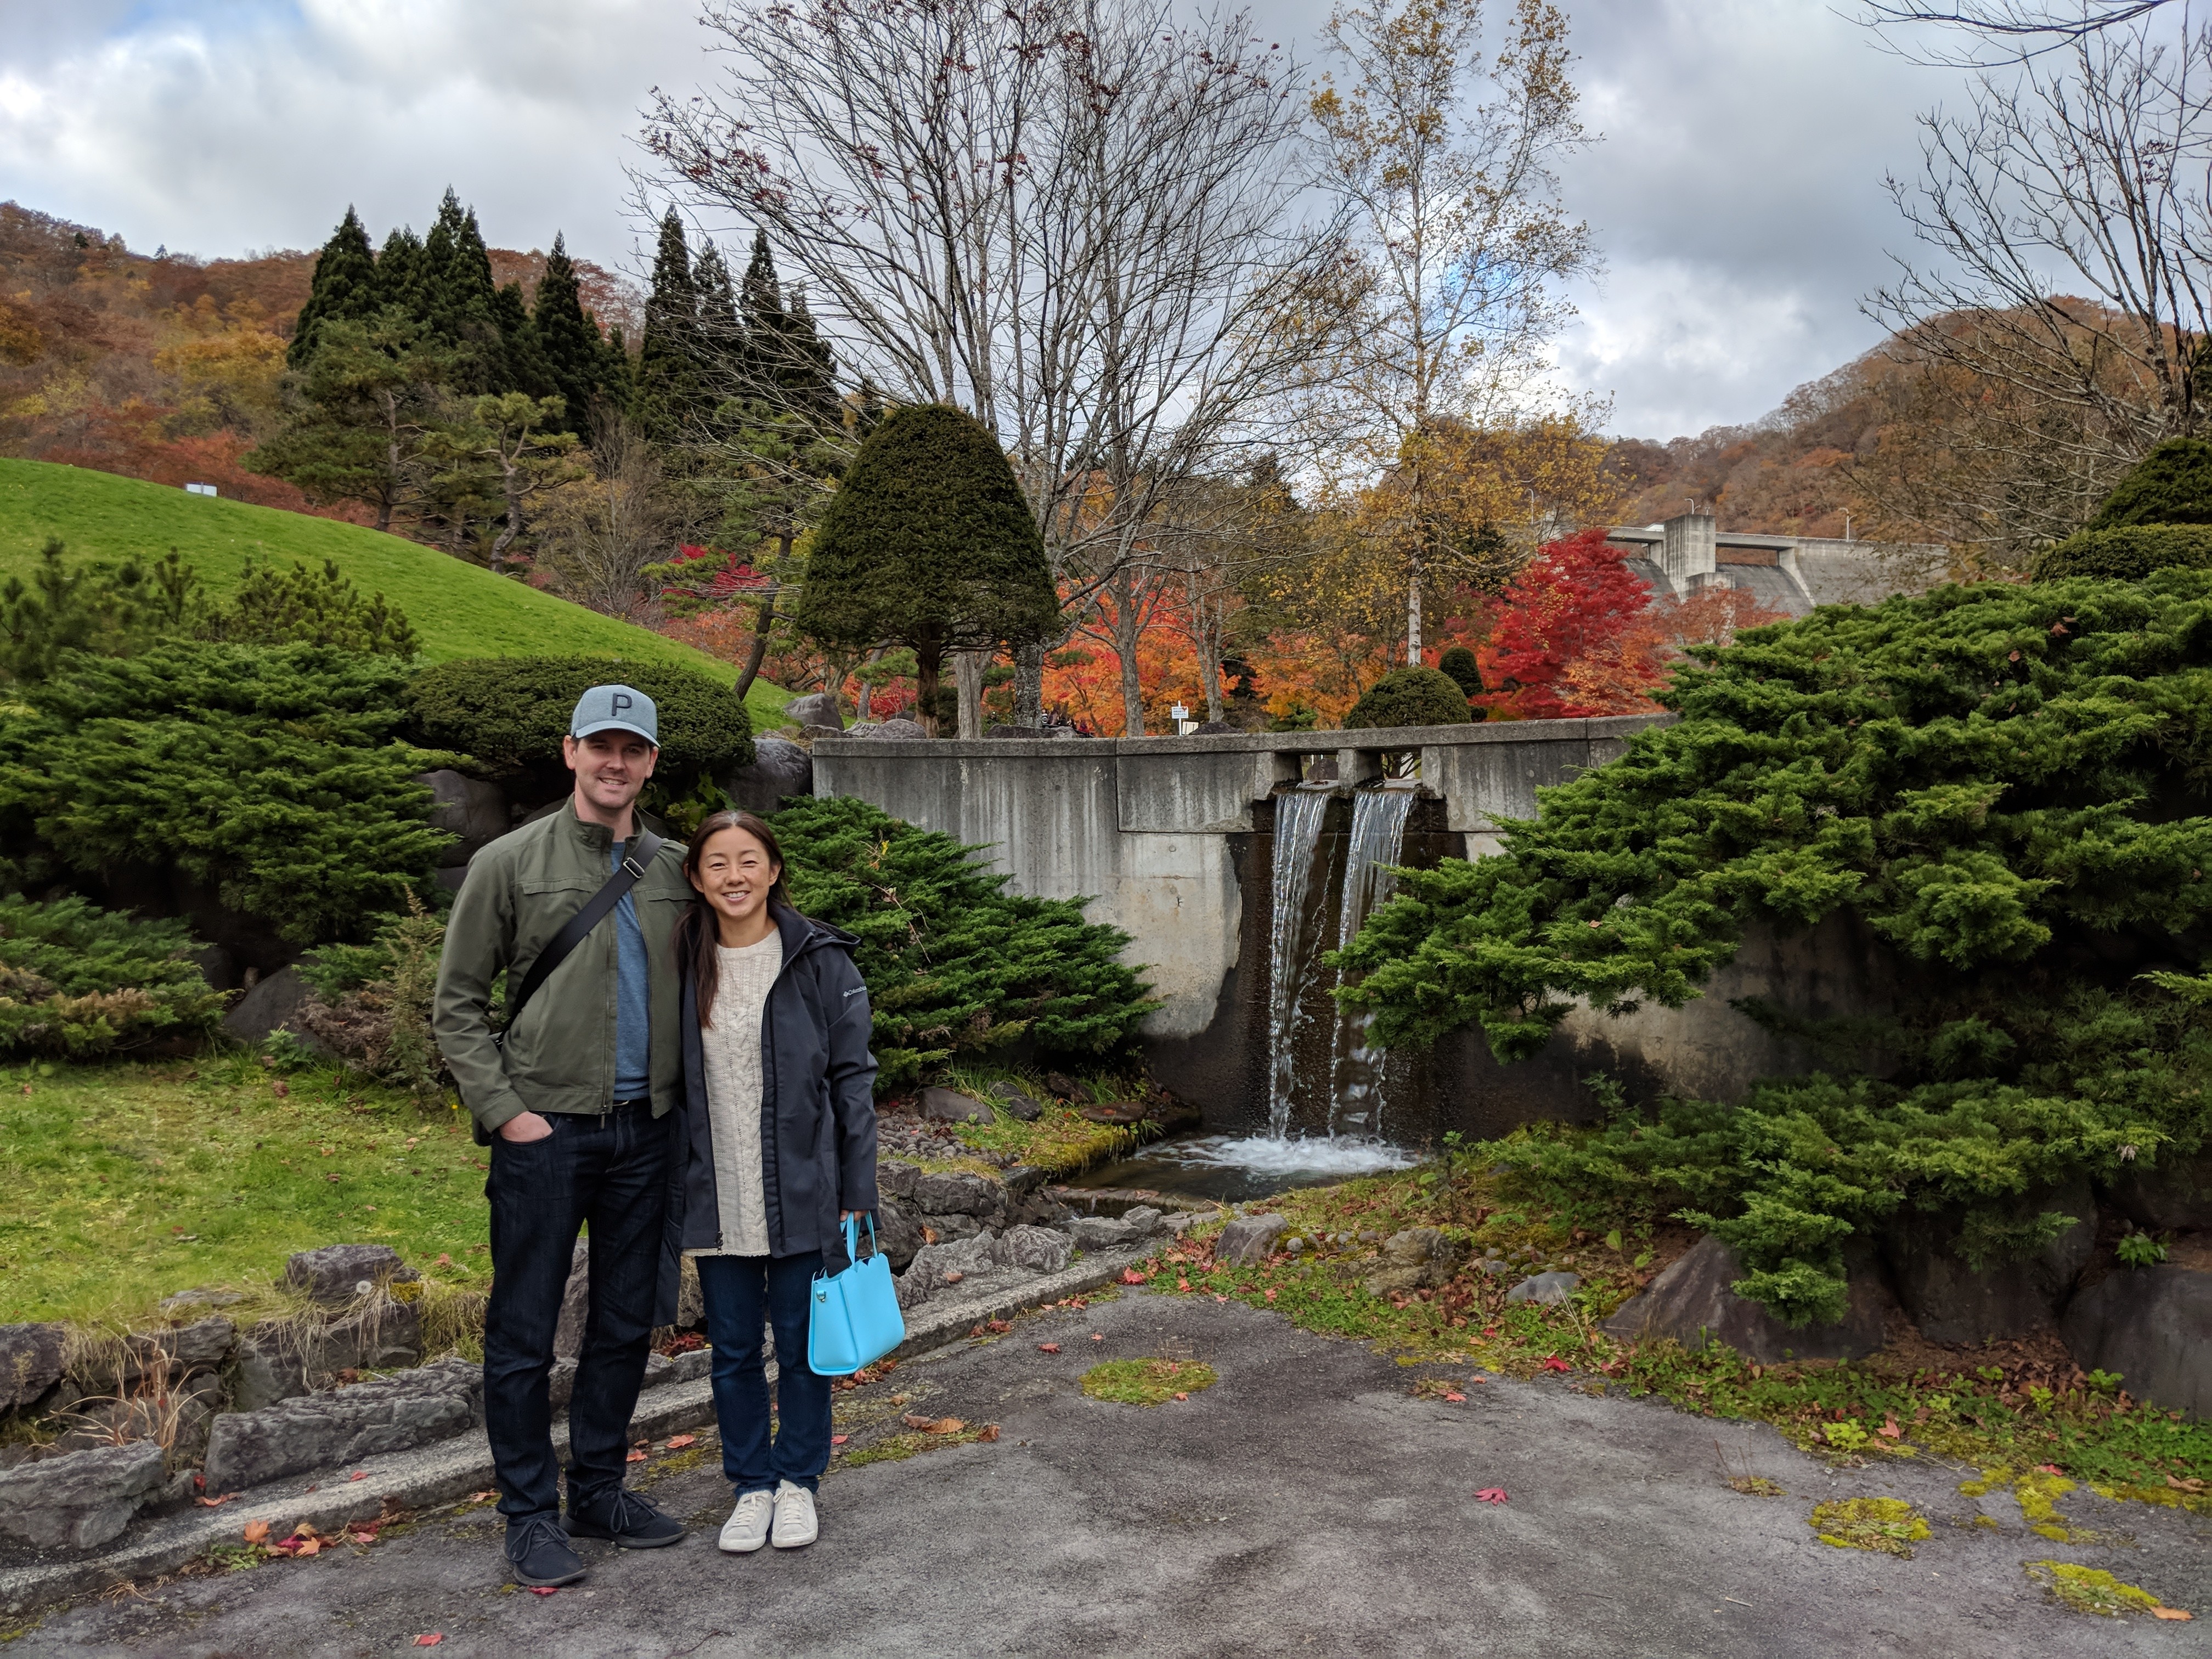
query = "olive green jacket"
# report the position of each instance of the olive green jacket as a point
(560, 1055)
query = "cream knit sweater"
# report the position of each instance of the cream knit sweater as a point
(735, 1085)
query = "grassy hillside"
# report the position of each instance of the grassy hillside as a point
(459, 609)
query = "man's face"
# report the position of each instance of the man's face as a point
(611, 767)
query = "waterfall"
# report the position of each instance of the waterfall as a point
(1298, 816)
(1376, 842)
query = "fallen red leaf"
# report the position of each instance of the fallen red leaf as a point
(1182, 1396)
(545, 1590)
(989, 1434)
(1100, 1336)
(2171, 1612)
(1490, 1330)
(934, 1424)
(1492, 1495)
(1048, 1347)
(303, 1546)
(1271, 1296)
(1457, 1398)
(431, 1640)
(256, 1532)
(1182, 1284)
(1221, 1298)
(215, 1503)
(443, 1260)
(678, 1442)
(1556, 1363)
(482, 1496)
(2048, 1469)
(1889, 1430)
(1131, 1276)
(358, 1474)
(839, 1439)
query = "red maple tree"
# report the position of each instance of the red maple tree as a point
(1569, 639)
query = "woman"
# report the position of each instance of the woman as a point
(777, 1143)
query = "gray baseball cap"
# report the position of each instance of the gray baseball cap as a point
(616, 708)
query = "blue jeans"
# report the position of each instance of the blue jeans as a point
(609, 1171)
(742, 1293)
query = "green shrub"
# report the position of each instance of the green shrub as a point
(956, 965)
(1458, 665)
(81, 982)
(271, 774)
(2006, 785)
(2173, 484)
(371, 1004)
(2127, 554)
(511, 713)
(1410, 697)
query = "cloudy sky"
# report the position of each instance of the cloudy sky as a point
(1736, 194)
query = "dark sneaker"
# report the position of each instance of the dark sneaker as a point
(539, 1552)
(627, 1519)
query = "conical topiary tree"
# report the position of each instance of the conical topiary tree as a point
(2173, 484)
(929, 543)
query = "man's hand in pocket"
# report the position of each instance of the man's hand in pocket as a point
(524, 1128)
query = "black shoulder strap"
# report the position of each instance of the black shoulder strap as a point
(643, 850)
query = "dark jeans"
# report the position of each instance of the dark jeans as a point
(610, 1172)
(741, 1292)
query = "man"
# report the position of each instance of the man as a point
(571, 1100)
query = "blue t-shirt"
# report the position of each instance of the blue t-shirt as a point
(633, 1013)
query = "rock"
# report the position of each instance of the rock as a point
(270, 1367)
(1213, 729)
(1098, 1232)
(1115, 1111)
(1249, 1239)
(1143, 1221)
(1692, 1303)
(325, 1430)
(273, 1004)
(1017, 1104)
(575, 1303)
(956, 1194)
(1021, 733)
(951, 1229)
(1954, 1303)
(2152, 1326)
(79, 1500)
(1417, 1258)
(338, 1272)
(1034, 1249)
(936, 1268)
(898, 1228)
(1545, 1287)
(949, 1106)
(896, 1178)
(815, 708)
(780, 770)
(691, 1300)
(1061, 1086)
(186, 1301)
(468, 808)
(201, 1345)
(2176, 1195)
(31, 1361)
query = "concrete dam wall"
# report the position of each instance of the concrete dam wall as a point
(1174, 840)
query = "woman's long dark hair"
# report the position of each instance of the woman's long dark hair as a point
(697, 932)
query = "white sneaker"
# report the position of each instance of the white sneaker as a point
(795, 1527)
(746, 1529)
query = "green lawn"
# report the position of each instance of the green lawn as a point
(459, 609)
(128, 1183)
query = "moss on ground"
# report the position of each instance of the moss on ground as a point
(1888, 1525)
(1146, 1382)
(1060, 1140)
(2090, 1589)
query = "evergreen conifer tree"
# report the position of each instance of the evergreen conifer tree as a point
(784, 362)
(664, 392)
(2173, 484)
(929, 543)
(529, 370)
(575, 356)
(458, 296)
(344, 286)
(399, 273)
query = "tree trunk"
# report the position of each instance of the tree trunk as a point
(968, 668)
(1209, 669)
(867, 687)
(758, 650)
(1029, 683)
(927, 655)
(1413, 611)
(1127, 618)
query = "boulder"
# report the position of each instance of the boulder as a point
(956, 1193)
(270, 1367)
(1955, 1303)
(780, 770)
(1100, 1233)
(1143, 1221)
(1213, 729)
(939, 1268)
(1034, 1249)
(1249, 1239)
(336, 1273)
(31, 1357)
(1017, 1102)
(815, 708)
(949, 1106)
(2176, 1195)
(79, 1500)
(185, 1302)
(273, 1004)
(1419, 1258)
(1551, 1288)
(1118, 1112)
(468, 809)
(894, 1178)
(328, 1430)
(576, 1303)
(2154, 1327)
(281, 1359)
(898, 1231)
(1691, 1302)
(904, 731)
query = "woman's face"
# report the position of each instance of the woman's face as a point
(735, 873)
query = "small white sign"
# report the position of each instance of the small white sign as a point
(199, 489)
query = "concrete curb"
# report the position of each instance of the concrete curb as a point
(449, 1470)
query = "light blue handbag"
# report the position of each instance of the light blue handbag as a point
(854, 1317)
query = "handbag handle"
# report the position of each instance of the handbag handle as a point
(852, 1237)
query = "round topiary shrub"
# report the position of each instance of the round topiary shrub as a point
(1460, 666)
(2127, 554)
(2173, 484)
(510, 714)
(1410, 697)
